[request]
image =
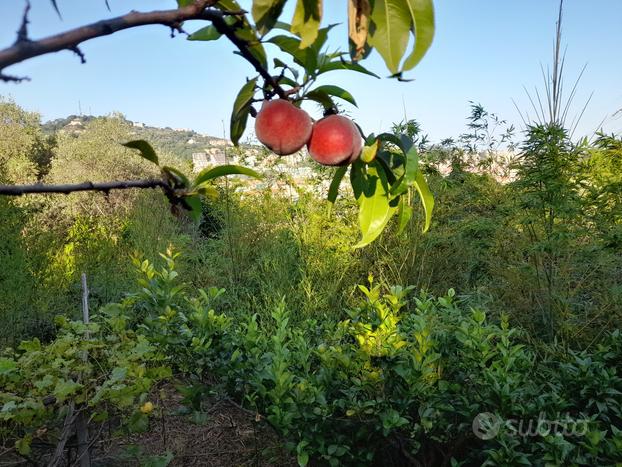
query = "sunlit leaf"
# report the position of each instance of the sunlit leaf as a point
(370, 151)
(390, 31)
(220, 171)
(306, 21)
(145, 149)
(375, 209)
(422, 12)
(427, 199)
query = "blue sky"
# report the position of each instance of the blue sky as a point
(484, 51)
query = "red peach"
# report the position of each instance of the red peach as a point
(335, 140)
(282, 127)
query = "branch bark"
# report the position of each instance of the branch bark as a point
(19, 190)
(24, 48)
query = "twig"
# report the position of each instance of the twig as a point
(22, 33)
(19, 190)
(67, 430)
(25, 48)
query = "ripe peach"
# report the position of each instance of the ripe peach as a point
(335, 140)
(282, 127)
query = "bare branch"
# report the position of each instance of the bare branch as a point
(22, 32)
(19, 190)
(173, 19)
(25, 49)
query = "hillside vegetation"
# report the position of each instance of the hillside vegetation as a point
(510, 305)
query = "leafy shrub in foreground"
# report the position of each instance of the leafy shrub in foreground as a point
(102, 368)
(401, 380)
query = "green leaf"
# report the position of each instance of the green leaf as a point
(7, 365)
(374, 207)
(306, 21)
(343, 65)
(23, 445)
(208, 33)
(220, 171)
(241, 109)
(390, 31)
(422, 13)
(183, 3)
(321, 98)
(427, 199)
(266, 13)
(65, 388)
(333, 190)
(138, 422)
(370, 151)
(411, 170)
(145, 149)
(291, 46)
(195, 205)
(303, 458)
(404, 213)
(335, 91)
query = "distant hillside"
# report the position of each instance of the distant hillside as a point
(180, 142)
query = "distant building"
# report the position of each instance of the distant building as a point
(207, 158)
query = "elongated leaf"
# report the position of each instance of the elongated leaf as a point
(306, 21)
(422, 13)
(145, 149)
(333, 190)
(241, 109)
(411, 169)
(183, 3)
(291, 46)
(220, 171)
(427, 199)
(208, 33)
(390, 31)
(337, 92)
(370, 151)
(404, 213)
(341, 65)
(265, 13)
(374, 207)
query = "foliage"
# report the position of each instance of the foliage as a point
(103, 368)
(401, 377)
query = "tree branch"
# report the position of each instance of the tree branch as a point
(19, 190)
(25, 48)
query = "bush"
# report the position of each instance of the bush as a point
(403, 378)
